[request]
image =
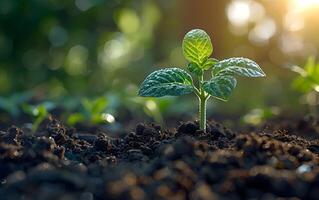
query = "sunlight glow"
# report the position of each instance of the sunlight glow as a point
(291, 43)
(151, 105)
(241, 12)
(76, 60)
(263, 31)
(305, 4)
(108, 117)
(238, 12)
(293, 21)
(114, 52)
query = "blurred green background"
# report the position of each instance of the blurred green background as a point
(84, 59)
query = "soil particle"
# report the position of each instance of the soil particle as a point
(153, 163)
(102, 144)
(12, 136)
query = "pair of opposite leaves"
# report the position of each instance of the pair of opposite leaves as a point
(197, 48)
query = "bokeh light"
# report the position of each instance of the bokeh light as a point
(305, 4)
(99, 47)
(238, 12)
(76, 61)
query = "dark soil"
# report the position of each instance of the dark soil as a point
(151, 163)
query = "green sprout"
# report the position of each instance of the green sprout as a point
(308, 79)
(197, 48)
(38, 112)
(12, 104)
(93, 111)
(308, 82)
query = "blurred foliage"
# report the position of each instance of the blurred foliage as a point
(307, 82)
(66, 51)
(259, 115)
(308, 79)
(92, 111)
(11, 104)
(39, 113)
(59, 47)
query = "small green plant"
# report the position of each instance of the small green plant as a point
(12, 104)
(308, 79)
(197, 48)
(93, 111)
(308, 83)
(258, 115)
(39, 113)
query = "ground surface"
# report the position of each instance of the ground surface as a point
(150, 163)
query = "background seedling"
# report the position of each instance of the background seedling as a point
(12, 104)
(308, 83)
(92, 111)
(39, 112)
(197, 48)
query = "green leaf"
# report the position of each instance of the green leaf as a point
(209, 63)
(303, 84)
(238, 66)
(75, 118)
(194, 68)
(197, 46)
(312, 71)
(311, 66)
(167, 82)
(220, 87)
(95, 106)
(99, 105)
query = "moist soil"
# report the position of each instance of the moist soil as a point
(58, 162)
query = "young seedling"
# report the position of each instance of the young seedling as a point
(308, 83)
(93, 111)
(38, 112)
(308, 79)
(197, 48)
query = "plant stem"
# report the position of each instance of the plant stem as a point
(202, 113)
(202, 104)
